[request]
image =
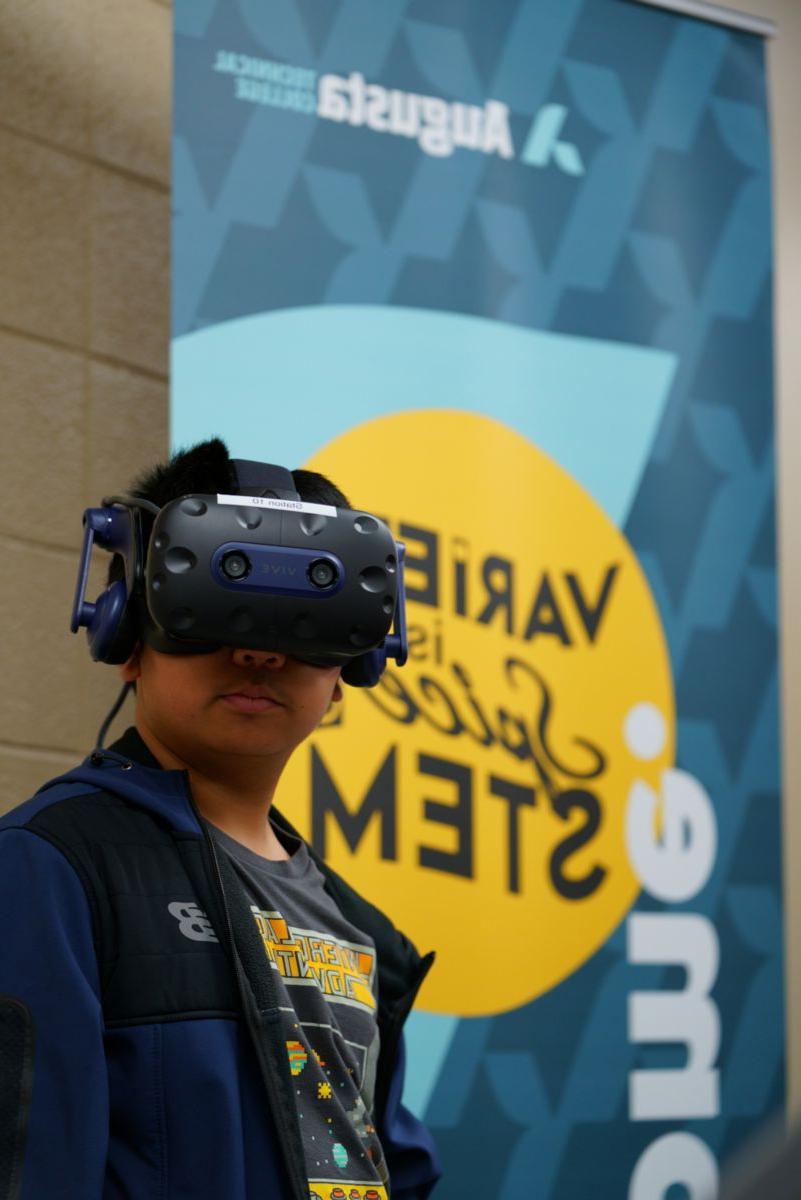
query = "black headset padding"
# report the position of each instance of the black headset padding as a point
(113, 639)
(125, 638)
(366, 670)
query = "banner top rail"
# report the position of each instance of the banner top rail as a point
(718, 13)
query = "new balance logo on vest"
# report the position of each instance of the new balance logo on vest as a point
(192, 921)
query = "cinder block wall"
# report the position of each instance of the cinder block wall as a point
(84, 322)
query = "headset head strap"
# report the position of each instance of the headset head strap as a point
(263, 479)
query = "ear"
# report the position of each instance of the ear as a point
(337, 693)
(132, 669)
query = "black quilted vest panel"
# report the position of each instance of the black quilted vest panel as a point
(158, 956)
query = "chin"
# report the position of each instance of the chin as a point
(248, 742)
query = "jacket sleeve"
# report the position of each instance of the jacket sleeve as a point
(53, 1084)
(409, 1149)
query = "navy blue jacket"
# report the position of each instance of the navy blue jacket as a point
(137, 1063)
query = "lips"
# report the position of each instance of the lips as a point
(250, 700)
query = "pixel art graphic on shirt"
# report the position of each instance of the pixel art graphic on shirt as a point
(297, 1057)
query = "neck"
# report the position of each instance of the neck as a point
(235, 794)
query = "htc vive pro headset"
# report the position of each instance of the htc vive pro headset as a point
(261, 570)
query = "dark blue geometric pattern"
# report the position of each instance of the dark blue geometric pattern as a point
(738, 372)
(663, 241)
(626, 311)
(726, 672)
(694, 187)
(673, 507)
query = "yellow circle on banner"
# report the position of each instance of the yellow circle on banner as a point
(478, 794)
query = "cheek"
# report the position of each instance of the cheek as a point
(171, 691)
(330, 690)
(318, 699)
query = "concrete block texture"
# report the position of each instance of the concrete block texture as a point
(45, 63)
(127, 428)
(44, 240)
(24, 770)
(43, 438)
(131, 79)
(55, 696)
(129, 309)
(84, 328)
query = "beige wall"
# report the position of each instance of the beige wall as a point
(84, 223)
(84, 243)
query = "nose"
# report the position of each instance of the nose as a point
(258, 658)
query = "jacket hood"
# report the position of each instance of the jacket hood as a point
(128, 769)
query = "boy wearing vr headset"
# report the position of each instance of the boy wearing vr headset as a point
(192, 1003)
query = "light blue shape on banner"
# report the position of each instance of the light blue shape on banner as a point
(280, 385)
(428, 1038)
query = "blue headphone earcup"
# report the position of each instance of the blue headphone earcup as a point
(111, 631)
(366, 670)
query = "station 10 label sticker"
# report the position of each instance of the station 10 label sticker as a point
(478, 793)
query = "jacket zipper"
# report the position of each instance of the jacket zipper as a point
(261, 1021)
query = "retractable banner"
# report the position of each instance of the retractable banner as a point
(503, 272)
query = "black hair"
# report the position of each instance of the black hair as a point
(206, 468)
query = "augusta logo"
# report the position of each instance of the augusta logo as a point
(439, 126)
(479, 793)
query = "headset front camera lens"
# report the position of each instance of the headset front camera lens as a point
(235, 565)
(322, 573)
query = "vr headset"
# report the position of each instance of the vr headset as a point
(260, 569)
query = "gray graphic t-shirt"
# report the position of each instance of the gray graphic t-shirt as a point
(327, 981)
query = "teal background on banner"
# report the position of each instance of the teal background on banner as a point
(371, 361)
(606, 291)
